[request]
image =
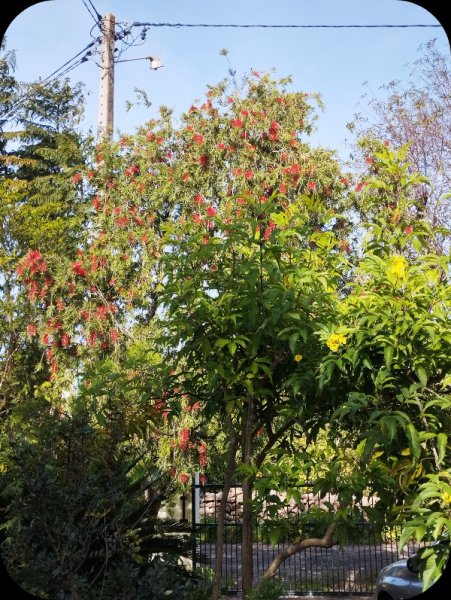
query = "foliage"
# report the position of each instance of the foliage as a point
(396, 363)
(81, 506)
(268, 589)
(416, 115)
(40, 208)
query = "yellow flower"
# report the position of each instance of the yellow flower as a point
(298, 357)
(398, 266)
(335, 340)
(446, 498)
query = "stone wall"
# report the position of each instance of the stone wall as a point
(210, 501)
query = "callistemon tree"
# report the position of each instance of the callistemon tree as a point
(224, 234)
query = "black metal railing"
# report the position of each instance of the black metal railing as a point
(350, 568)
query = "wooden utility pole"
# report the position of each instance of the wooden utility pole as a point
(106, 92)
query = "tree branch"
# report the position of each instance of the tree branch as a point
(325, 542)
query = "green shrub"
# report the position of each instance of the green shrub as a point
(268, 589)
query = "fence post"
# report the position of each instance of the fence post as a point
(195, 515)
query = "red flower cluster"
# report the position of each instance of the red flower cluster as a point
(78, 269)
(202, 455)
(184, 438)
(198, 138)
(238, 123)
(32, 329)
(33, 262)
(270, 228)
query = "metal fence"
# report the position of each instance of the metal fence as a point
(350, 568)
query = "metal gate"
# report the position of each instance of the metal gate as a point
(348, 569)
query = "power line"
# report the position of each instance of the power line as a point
(236, 25)
(90, 11)
(87, 53)
(98, 16)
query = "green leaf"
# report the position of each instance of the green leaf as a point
(274, 536)
(414, 440)
(442, 439)
(388, 356)
(422, 375)
(232, 347)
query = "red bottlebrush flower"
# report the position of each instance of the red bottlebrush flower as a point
(344, 181)
(214, 268)
(60, 304)
(65, 340)
(249, 174)
(237, 172)
(203, 479)
(92, 338)
(183, 478)
(311, 185)
(369, 160)
(197, 218)
(184, 438)
(160, 140)
(76, 178)
(90, 174)
(203, 160)
(238, 123)
(198, 138)
(345, 246)
(230, 100)
(206, 239)
(96, 204)
(408, 229)
(45, 339)
(359, 187)
(169, 154)
(273, 136)
(280, 100)
(211, 211)
(172, 472)
(150, 137)
(32, 329)
(198, 199)
(241, 201)
(294, 169)
(195, 406)
(114, 336)
(274, 126)
(121, 221)
(101, 312)
(71, 287)
(221, 146)
(78, 269)
(185, 176)
(283, 188)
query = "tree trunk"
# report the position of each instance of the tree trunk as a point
(325, 542)
(247, 562)
(231, 461)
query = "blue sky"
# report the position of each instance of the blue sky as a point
(333, 62)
